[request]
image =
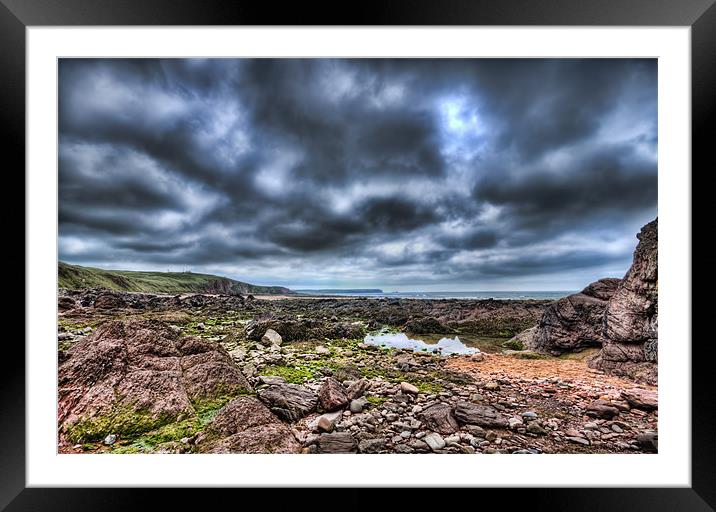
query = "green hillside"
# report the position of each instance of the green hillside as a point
(75, 277)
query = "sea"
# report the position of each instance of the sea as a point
(504, 295)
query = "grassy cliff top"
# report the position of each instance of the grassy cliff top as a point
(75, 277)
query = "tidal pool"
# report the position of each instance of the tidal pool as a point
(444, 346)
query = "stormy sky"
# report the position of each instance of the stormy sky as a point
(402, 174)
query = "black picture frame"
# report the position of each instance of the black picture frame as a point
(700, 15)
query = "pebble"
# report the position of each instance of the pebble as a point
(407, 387)
(578, 440)
(110, 439)
(435, 441)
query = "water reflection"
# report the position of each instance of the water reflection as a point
(445, 346)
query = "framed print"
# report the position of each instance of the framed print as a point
(411, 247)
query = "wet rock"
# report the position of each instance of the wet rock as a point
(641, 398)
(337, 442)
(289, 402)
(439, 417)
(481, 415)
(332, 395)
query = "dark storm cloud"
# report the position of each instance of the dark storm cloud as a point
(368, 171)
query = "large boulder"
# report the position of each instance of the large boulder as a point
(631, 317)
(573, 322)
(245, 425)
(130, 377)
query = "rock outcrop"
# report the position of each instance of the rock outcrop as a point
(631, 318)
(620, 315)
(573, 322)
(295, 329)
(245, 425)
(130, 377)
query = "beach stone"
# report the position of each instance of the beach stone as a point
(439, 417)
(357, 388)
(648, 441)
(271, 337)
(357, 406)
(602, 409)
(535, 428)
(578, 440)
(332, 395)
(110, 439)
(435, 441)
(321, 350)
(289, 402)
(337, 442)
(641, 398)
(374, 445)
(407, 387)
(481, 415)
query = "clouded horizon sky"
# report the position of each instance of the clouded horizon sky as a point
(401, 174)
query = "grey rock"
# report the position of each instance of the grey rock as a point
(375, 445)
(357, 406)
(271, 337)
(435, 441)
(289, 402)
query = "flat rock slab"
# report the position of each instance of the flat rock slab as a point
(440, 418)
(332, 395)
(289, 402)
(481, 415)
(641, 398)
(602, 409)
(338, 442)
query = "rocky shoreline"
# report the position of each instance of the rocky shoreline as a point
(142, 373)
